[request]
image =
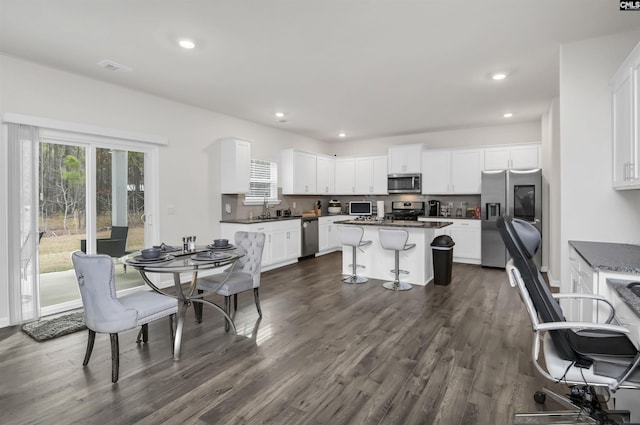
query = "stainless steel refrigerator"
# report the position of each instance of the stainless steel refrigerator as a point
(517, 193)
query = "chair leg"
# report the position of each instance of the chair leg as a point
(144, 332)
(115, 357)
(256, 296)
(197, 308)
(172, 330)
(235, 302)
(90, 341)
(227, 309)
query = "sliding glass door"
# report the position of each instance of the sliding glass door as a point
(92, 198)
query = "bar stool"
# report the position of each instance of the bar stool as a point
(396, 239)
(352, 236)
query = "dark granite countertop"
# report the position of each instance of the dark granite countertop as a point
(260, 220)
(399, 223)
(606, 256)
(631, 299)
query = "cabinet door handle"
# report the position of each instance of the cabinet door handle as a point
(631, 171)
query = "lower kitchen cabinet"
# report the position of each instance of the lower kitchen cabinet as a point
(282, 240)
(466, 234)
(328, 239)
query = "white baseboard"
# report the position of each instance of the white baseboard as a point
(553, 282)
(4, 322)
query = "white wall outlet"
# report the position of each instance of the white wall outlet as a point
(293, 205)
(227, 208)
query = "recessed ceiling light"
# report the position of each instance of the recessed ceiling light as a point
(342, 134)
(279, 114)
(508, 115)
(499, 76)
(187, 44)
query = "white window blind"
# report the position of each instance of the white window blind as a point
(263, 181)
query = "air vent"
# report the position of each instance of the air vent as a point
(113, 66)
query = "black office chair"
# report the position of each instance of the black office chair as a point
(114, 246)
(575, 353)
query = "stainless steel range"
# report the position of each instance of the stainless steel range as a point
(406, 210)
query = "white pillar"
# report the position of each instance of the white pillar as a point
(119, 177)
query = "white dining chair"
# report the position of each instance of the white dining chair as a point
(241, 276)
(104, 312)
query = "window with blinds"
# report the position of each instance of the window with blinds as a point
(263, 181)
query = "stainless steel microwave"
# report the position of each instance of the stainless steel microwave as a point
(404, 183)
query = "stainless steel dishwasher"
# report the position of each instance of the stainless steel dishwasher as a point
(309, 236)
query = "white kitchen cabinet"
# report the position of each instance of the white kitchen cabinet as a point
(328, 239)
(234, 165)
(466, 171)
(466, 234)
(625, 88)
(282, 240)
(452, 171)
(515, 157)
(345, 176)
(371, 175)
(298, 171)
(325, 175)
(405, 159)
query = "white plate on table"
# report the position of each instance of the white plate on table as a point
(211, 256)
(221, 248)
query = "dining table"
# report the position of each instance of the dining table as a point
(177, 261)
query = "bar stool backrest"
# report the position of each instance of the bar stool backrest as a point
(394, 239)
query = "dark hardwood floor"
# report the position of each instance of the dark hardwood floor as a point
(324, 353)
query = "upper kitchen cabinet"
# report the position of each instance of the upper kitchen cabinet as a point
(625, 87)
(452, 172)
(345, 176)
(405, 159)
(298, 172)
(325, 174)
(371, 175)
(515, 157)
(235, 163)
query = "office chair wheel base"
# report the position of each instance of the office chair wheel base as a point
(540, 397)
(397, 286)
(355, 279)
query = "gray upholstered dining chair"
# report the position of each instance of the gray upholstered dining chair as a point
(242, 276)
(104, 312)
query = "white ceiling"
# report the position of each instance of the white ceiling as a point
(371, 68)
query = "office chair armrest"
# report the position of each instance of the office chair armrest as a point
(551, 326)
(573, 295)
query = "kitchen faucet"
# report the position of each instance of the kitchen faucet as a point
(265, 209)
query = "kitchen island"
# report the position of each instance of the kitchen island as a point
(379, 263)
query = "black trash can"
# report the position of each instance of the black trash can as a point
(442, 250)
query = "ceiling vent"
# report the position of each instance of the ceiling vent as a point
(113, 66)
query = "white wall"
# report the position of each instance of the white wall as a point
(551, 163)
(36, 90)
(591, 210)
(528, 132)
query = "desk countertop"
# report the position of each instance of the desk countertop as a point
(631, 299)
(605, 256)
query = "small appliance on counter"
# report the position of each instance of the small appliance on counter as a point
(434, 208)
(335, 207)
